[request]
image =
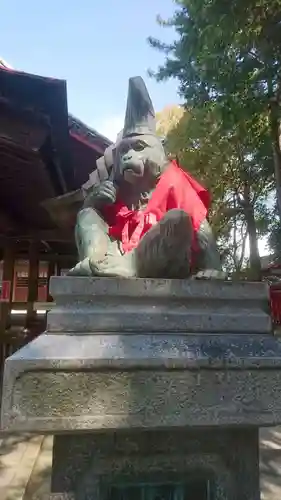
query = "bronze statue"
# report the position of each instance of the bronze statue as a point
(148, 217)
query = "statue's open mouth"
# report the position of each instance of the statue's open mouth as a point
(137, 169)
(130, 175)
(133, 170)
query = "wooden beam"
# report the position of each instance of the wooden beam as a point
(53, 235)
(93, 144)
(51, 272)
(21, 130)
(52, 257)
(7, 223)
(44, 305)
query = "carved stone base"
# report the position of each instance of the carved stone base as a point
(62, 383)
(121, 354)
(132, 369)
(86, 467)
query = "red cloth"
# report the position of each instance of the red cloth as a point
(175, 189)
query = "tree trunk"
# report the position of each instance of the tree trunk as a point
(254, 257)
(275, 140)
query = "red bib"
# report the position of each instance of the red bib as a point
(175, 189)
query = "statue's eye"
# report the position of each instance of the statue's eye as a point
(139, 146)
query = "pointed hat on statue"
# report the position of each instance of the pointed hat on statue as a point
(140, 114)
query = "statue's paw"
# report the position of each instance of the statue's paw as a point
(81, 269)
(116, 266)
(210, 274)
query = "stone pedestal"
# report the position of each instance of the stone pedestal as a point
(155, 389)
(216, 464)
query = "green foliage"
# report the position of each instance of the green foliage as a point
(227, 59)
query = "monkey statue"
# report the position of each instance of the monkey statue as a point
(148, 218)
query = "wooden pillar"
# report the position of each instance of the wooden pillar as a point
(7, 276)
(51, 272)
(33, 273)
(59, 268)
(5, 307)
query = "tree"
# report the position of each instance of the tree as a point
(229, 53)
(228, 67)
(274, 238)
(235, 177)
(168, 118)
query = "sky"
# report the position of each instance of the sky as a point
(95, 46)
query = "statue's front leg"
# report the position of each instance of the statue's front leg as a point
(165, 250)
(91, 240)
(98, 254)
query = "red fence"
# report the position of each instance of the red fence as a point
(275, 301)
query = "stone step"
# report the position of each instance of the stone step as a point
(17, 458)
(94, 305)
(39, 484)
(270, 463)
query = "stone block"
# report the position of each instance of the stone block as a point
(149, 381)
(61, 383)
(162, 365)
(226, 459)
(146, 377)
(98, 305)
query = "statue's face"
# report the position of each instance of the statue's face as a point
(140, 160)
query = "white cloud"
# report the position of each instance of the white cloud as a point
(111, 126)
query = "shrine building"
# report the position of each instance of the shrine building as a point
(44, 153)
